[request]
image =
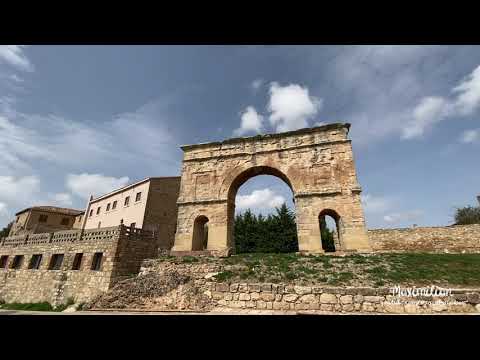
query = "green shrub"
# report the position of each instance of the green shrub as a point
(467, 215)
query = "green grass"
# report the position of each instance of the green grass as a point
(352, 270)
(40, 306)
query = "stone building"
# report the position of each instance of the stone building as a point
(149, 204)
(78, 264)
(38, 219)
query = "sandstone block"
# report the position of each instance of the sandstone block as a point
(254, 296)
(368, 307)
(266, 287)
(302, 290)
(373, 299)
(395, 308)
(346, 299)
(233, 288)
(267, 296)
(328, 299)
(222, 287)
(290, 297)
(254, 287)
(244, 296)
(309, 298)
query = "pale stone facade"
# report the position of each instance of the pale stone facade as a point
(149, 204)
(38, 219)
(317, 164)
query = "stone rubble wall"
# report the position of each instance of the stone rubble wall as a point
(287, 297)
(336, 299)
(446, 239)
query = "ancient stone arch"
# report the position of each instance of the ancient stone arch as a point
(316, 163)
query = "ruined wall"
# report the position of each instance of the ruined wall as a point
(123, 250)
(316, 163)
(290, 297)
(454, 239)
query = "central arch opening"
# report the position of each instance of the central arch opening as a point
(261, 216)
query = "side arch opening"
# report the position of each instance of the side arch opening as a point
(330, 224)
(200, 233)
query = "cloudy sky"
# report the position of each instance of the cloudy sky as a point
(76, 120)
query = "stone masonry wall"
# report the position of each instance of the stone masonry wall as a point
(268, 296)
(123, 250)
(453, 239)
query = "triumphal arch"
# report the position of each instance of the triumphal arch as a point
(316, 163)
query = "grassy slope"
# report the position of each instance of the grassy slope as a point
(457, 270)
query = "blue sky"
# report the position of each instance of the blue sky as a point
(76, 120)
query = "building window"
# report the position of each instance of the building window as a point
(91, 212)
(16, 221)
(99, 224)
(114, 206)
(42, 218)
(17, 262)
(77, 261)
(132, 225)
(127, 200)
(97, 261)
(138, 197)
(108, 206)
(35, 261)
(98, 210)
(3, 261)
(55, 262)
(80, 218)
(65, 221)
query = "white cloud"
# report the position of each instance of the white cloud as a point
(256, 84)
(14, 55)
(319, 123)
(251, 121)
(3, 209)
(375, 204)
(468, 93)
(429, 111)
(84, 185)
(470, 136)
(61, 199)
(18, 189)
(412, 215)
(433, 109)
(259, 199)
(291, 106)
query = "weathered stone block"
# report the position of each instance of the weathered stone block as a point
(233, 288)
(254, 287)
(222, 287)
(346, 299)
(290, 297)
(254, 296)
(328, 299)
(309, 298)
(302, 290)
(267, 296)
(373, 299)
(244, 297)
(266, 287)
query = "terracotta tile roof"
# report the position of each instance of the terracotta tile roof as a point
(53, 209)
